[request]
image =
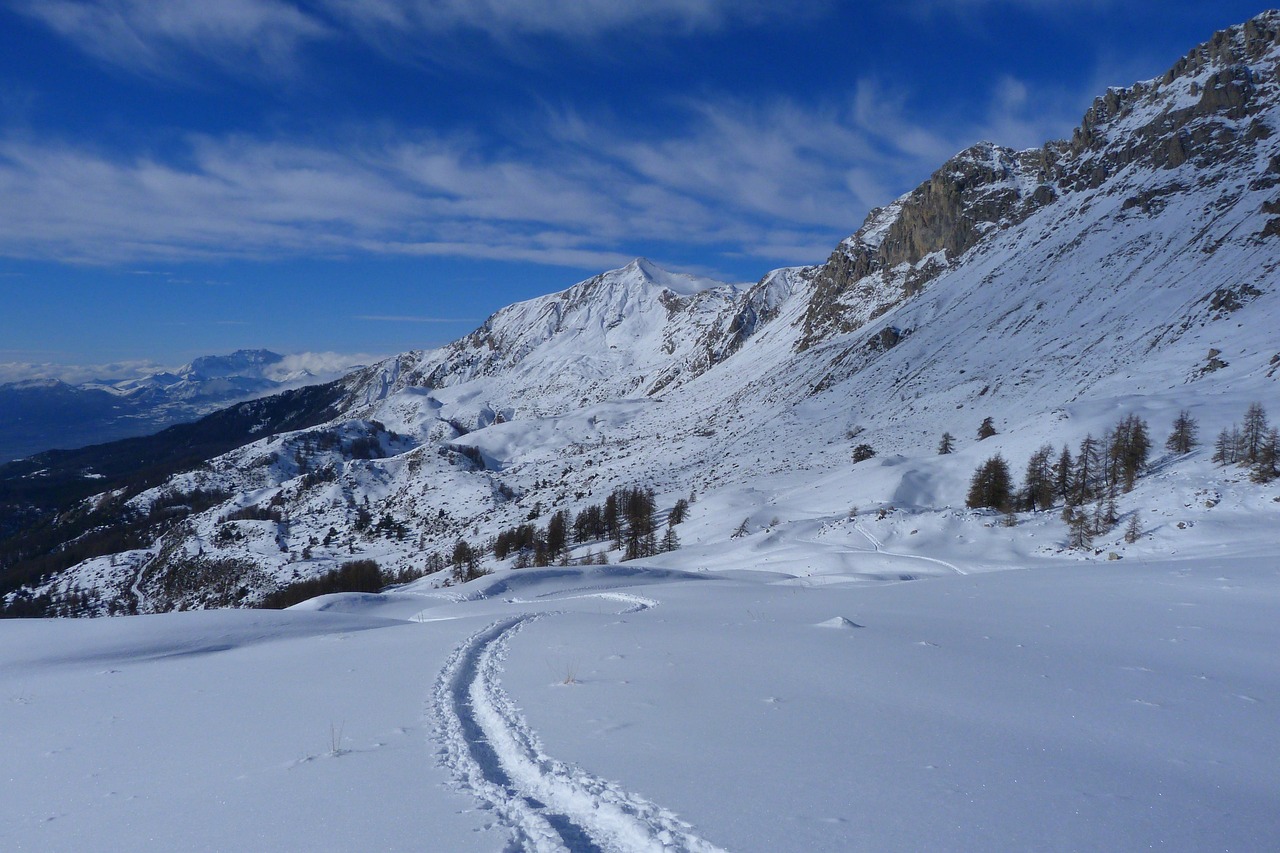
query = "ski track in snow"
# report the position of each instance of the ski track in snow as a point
(636, 603)
(879, 548)
(548, 804)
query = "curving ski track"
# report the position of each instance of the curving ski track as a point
(548, 804)
(879, 549)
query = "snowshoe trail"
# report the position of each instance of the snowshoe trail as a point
(548, 804)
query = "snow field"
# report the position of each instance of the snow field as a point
(1111, 706)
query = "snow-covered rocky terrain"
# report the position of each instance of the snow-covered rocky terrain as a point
(827, 654)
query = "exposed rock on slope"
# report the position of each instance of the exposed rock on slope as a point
(1208, 108)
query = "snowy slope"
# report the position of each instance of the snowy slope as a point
(1132, 269)
(1117, 707)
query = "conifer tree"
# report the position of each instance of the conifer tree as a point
(1087, 472)
(1183, 437)
(678, 513)
(1221, 447)
(947, 444)
(991, 485)
(1062, 473)
(1267, 468)
(1253, 432)
(1079, 534)
(986, 429)
(1128, 449)
(1038, 484)
(557, 533)
(1133, 531)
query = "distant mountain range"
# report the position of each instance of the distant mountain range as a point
(47, 414)
(1134, 268)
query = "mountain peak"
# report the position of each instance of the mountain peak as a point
(238, 362)
(645, 271)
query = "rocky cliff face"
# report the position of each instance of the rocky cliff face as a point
(902, 247)
(1206, 111)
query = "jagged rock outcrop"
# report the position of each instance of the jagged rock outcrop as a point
(902, 247)
(1206, 111)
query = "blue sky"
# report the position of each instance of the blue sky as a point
(181, 177)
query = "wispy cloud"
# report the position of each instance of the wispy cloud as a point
(321, 363)
(573, 19)
(162, 37)
(245, 37)
(777, 179)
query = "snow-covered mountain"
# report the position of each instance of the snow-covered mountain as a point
(38, 415)
(1132, 268)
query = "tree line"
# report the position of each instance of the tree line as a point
(627, 520)
(1102, 468)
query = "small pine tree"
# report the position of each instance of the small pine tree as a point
(1062, 471)
(1079, 534)
(678, 513)
(991, 485)
(1110, 513)
(986, 429)
(1253, 433)
(1133, 531)
(1128, 450)
(1088, 472)
(1183, 437)
(863, 452)
(947, 445)
(1267, 468)
(742, 529)
(670, 542)
(1224, 448)
(1039, 485)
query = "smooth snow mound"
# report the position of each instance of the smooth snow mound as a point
(839, 622)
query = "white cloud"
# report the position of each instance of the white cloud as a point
(573, 19)
(247, 37)
(774, 179)
(162, 36)
(75, 374)
(322, 365)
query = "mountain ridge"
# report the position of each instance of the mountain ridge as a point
(1055, 287)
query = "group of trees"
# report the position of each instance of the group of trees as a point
(627, 520)
(986, 429)
(1254, 443)
(351, 576)
(1100, 469)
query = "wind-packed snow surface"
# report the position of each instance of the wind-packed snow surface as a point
(1123, 706)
